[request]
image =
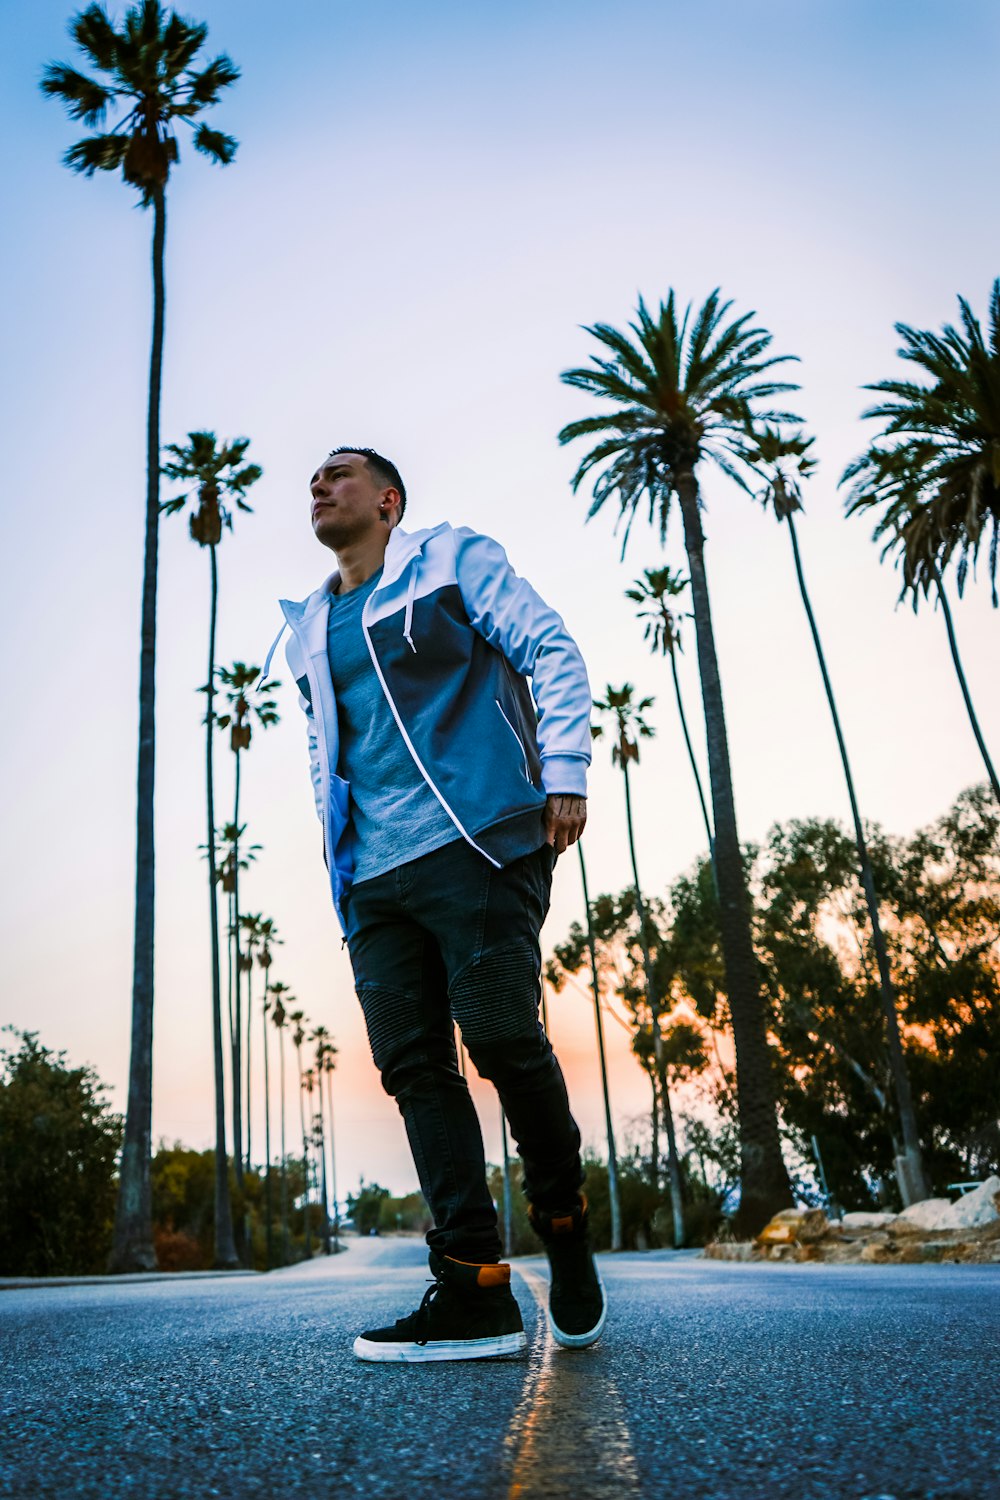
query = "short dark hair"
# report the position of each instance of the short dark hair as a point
(383, 469)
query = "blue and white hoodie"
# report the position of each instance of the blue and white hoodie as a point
(453, 634)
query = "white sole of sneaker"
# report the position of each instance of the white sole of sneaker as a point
(418, 1354)
(581, 1340)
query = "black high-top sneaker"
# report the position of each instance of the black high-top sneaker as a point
(577, 1304)
(468, 1312)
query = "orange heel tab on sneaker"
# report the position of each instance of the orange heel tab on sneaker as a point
(488, 1274)
(493, 1276)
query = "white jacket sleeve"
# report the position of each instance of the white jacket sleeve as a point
(507, 612)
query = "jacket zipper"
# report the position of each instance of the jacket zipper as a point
(520, 742)
(410, 746)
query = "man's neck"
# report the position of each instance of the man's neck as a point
(357, 561)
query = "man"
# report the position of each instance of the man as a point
(446, 790)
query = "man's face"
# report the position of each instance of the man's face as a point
(347, 502)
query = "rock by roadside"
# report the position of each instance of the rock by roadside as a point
(934, 1230)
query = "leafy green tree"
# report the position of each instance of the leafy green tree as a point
(58, 1144)
(365, 1206)
(933, 472)
(681, 395)
(219, 479)
(184, 1209)
(146, 77)
(942, 928)
(784, 462)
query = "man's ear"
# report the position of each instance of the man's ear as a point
(390, 506)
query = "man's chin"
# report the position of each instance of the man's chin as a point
(330, 534)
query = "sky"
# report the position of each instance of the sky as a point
(428, 208)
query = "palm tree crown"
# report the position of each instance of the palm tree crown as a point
(628, 722)
(237, 680)
(782, 460)
(934, 470)
(147, 74)
(681, 394)
(651, 592)
(218, 474)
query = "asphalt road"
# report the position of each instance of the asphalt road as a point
(715, 1381)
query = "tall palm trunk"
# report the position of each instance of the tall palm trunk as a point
(225, 1247)
(249, 1058)
(132, 1247)
(765, 1188)
(963, 684)
(236, 1036)
(508, 1202)
(285, 1236)
(613, 1194)
(305, 1158)
(325, 1201)
(909, 1167)
(655, 1126)
(653, 999)
(691, 757)
(333, 1159)
(268, 1206)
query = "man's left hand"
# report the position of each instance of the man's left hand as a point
(565, 819)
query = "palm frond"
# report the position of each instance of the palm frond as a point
(215, 145)
(84, 98)
(95, 35)
(97, 153)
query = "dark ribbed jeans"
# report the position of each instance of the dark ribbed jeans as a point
(446, 937)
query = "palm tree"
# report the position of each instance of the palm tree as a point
(681, 395)
(326, 1062)
(933, 470)
(613, 1191)
(297, 1018)
(279, 1018)
(268, 1204)
(218, 475)
(145, 74)
(310, 1085)
(236, 682)
(266, 931)
(321, 1037)
(784, 462)
(629, 727)
(250, 926)
(651, 592)
(235, 857)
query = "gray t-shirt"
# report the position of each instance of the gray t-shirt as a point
(395, 816)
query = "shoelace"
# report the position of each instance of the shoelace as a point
(421, 1313)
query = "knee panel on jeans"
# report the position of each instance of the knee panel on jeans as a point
(495, 999)
(394, 1020)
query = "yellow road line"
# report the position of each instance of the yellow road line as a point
(570, 1439)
